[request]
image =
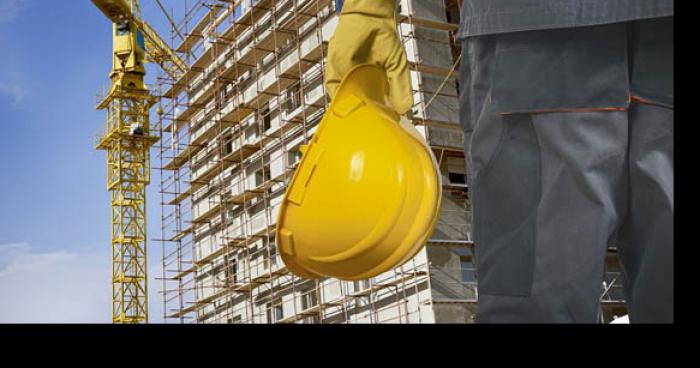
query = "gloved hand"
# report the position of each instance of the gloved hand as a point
(367, 33)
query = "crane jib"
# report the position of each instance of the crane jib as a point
(115, 10)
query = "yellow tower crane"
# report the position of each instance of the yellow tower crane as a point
(127, 140)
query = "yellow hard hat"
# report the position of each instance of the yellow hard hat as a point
(366, 195)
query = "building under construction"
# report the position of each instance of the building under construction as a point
(231, 129)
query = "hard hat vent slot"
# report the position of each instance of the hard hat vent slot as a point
(287, 245)
(347, 105)
(306, 172)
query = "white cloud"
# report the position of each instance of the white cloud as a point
(53, 286)
(62, 286)
(15, 90)
(10, 9)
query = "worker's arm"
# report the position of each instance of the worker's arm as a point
(367, 33)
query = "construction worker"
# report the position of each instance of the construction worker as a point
(567, 110)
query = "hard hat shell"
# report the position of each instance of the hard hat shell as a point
(366, 194)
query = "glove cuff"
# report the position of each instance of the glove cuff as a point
(376, 8)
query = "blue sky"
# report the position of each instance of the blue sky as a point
(54, 208)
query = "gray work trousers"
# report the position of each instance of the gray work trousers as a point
(569, 135)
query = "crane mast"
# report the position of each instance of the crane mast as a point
(127, 140)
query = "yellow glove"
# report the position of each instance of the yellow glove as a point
(367, 33)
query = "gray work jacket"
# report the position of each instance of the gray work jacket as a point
(483, 17)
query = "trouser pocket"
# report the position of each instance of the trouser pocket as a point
(506, 192)
(571, 69)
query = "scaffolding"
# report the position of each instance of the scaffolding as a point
(230, 132)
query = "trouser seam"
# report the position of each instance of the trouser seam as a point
(537, 205)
